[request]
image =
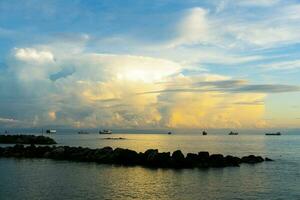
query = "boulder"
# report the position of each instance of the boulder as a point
(57, 153)
(178, 159)
(41, 150)
(216, 160)
(268, 159)
(232, 161)
(149, 156)
(125, 157)
(26, 139)
(102, 155)
(191, 160)
(203, 156)
(162, 159)
(152, 158)
(1, 151)
(252, 159)
(150, 152)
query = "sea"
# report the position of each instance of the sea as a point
(50, 179)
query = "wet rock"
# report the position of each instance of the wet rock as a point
(40, 151)
(77, 153)
(57, 153)
(125, 157)
(150, 158)
(177, 156)
(251, 159)
(103, 155)
(268, 159)
(103, 151)
(178, 159)
(232, 161)
(217, 160)
(191, 160)
(203, 156)
(150, 153)
(162, 159)
(25, 139)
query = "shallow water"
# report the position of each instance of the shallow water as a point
(47, 179)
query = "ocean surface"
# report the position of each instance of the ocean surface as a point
(48, 179)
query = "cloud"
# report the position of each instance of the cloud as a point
(8, 120)
(193, 28)
(266, 35)
(210, 110)
(32, 55)
(227, 86)
(92, 90)
(87, 90)
(269, 28)
(282, 65)
(258, 2)
(268, 88)
(255, 102)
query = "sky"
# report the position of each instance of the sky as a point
(150, 64)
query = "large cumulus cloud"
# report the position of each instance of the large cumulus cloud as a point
(45, 85)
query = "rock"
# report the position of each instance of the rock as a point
(18, 147)
(77, 153)
(251, 159)
(25, 139)
(104, 155)
(216, 160)
(87, 155)
(178, 159)
(268, 159)
(177, 156)
(191, 160)
(1, 151)
(232, 161)
(162, 159)
(203, 155)
(41, 150)
(103, 151)
(150, 152)
(125, 157)
(57, 153)
(58, 150)
(150, 158)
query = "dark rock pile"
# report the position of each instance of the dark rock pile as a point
(150, 158)
(25, 139)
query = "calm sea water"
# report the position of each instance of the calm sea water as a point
(48, 179)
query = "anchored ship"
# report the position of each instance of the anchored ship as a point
(105, 131)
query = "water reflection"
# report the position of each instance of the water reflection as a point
(46, 179)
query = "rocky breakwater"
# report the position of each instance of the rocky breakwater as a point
(25, 139)
(151, 158)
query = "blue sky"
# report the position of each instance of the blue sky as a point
(150, 64)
